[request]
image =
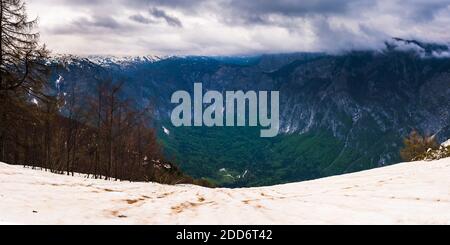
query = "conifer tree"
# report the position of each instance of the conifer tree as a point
(22, 69)
(21, 54)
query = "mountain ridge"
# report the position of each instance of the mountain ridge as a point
(339, 113)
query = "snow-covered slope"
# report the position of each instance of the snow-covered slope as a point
(407, 193)
(446, 143)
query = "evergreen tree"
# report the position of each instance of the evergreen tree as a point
(21, 54)
(22, 72)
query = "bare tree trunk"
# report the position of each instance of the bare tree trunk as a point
(2, 146)
(68, 148)
(98, 132)
(48, 139)
(3, 131)
(74, 150)
(110, 136)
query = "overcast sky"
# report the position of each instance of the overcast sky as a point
(230, 27)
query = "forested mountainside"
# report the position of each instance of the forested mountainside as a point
(339, 113)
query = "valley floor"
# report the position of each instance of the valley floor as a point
(407, 193)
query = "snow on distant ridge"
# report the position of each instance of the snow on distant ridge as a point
(122, 60)
(107, 60)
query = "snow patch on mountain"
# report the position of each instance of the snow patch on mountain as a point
(166, 131)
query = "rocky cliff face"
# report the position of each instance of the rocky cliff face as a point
(339, 113)
(363, 97)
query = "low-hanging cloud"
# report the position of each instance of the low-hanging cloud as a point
(226, 27)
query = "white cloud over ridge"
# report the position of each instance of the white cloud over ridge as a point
(233, 27)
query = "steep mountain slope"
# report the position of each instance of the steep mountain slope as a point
(339, 113)
(407, 193)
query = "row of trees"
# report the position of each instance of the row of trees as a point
(99, 133)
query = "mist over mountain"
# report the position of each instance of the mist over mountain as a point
(339, 113)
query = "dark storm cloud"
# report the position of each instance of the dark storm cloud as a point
(336, 39)
(180, 4)
(161, 14)
(154, 15)
(295, 7)
(258, 10)
(98, 21)
(95, 24)
(237, 26)
(185, 5)
(423, 10)
(141, 19)
(252, 7)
